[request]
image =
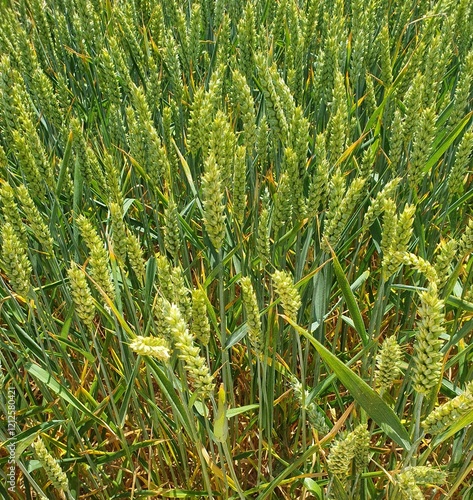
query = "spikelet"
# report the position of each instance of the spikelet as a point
(161, 308)
(28, 165)
(262, 142)
(50, 465)
(337, 222)
(367, 162)
(427, 475)
(445, 254)
(222, 142)
(108, 78)
(81, 151)
(427, 355)
(466, 241)
(112, 176)
(282, 206)
(155, 347)
(413, 103)
(153, 86)
(361, 439)
(243, 103)
(163, 269)
(119, 236)
(180, 293)
(124, 19)
(194, 36)
(83, 301)
(135, 256)
(45, 98)
(418, 263)
(314, 415)
(388, 363)
(195, 365)
(200, 328)
(462, 31)
(462, 91)
(173, 66)
(422, 145)
(370, 93)
(247, 40)
(291, 168)
(121, 67)
(340, 458)
(377, 204)
(183, 46)
(397, 232)
(457, 174)
(299, 138)
(386, 66)
(3, 161)
(327, 60)
(287, 292)
(448, 413)
(172, 237)
(216, 93)
(252, 314)
(10, 80)
(336, 193)
(284, 94)
(35, 220)
(408, 487)
(338, 119)
(435, 64)
(389, 225)
(17, 265)
(273, 104)
(225, 46)
(35, 147)
(11, 213)
(200, 121)
(404, 228)
(99, 260)
(212, 192)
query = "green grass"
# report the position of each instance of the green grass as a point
(149, 105)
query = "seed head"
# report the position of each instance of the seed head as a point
(52, 468)
(155, 347)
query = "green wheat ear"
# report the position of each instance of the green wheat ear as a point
(252, 314)
(99, 260)
(287, 292)
(448, 413)
(17, 265)
(200, 322)
(340, 458)
(212, 193)
(80, 291)
(52, 468)
(408, 487)
(195, 364)
(427, 355)
(314, 415)
(388, 363)
(119, 236)
(155, 347)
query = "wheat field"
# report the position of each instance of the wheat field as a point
(236, 244)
